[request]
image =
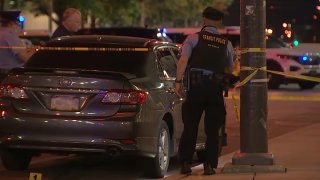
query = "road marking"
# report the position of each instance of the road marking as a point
(287, 98)
(294, 98)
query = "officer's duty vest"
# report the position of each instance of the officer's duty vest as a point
(210, 53)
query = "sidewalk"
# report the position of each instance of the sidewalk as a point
(298, 151)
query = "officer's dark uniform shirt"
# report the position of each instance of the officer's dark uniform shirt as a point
(192, 41)
(208, 45)
(61, 31)
(209, 53)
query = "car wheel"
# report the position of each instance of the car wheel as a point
(274, 80)
(15, 159)
(158, 166)
(307, 84)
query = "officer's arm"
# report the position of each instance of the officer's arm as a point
(186, 51)
(230, 58)
(181, 67)
(23, 54)
(26, 54)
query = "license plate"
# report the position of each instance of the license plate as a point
(65, 103)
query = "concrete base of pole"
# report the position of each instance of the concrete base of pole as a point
(230, 168)
(253, 163)
(252, 159)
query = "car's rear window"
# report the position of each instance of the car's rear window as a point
(133, 62)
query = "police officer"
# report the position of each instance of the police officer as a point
(71, 22)
(12, 51)
(209, 56)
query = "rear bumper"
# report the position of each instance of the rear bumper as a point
(74, 135)
(67, 147)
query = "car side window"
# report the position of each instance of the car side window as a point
(167, 61)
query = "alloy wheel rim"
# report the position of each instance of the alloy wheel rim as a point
(163, 149)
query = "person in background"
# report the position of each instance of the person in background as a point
(13, 52)
(71, 23)
(209, 57)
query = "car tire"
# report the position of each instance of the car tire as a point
(15, 159)
(157, 167)
(275, 80)
(307, 84)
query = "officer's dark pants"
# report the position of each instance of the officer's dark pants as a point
(207, 98)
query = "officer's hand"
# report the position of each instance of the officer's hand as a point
(26, 54)
(179, 90)
(230, 80)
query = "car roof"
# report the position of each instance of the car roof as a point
(107, 29)
(101, 40)
(124, 31)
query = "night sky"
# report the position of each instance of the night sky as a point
(300, 12)
(280, 10)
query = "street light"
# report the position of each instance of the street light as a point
(284, 25)
(269, 31)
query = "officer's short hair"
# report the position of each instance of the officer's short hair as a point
(212, 13)
(68, 12)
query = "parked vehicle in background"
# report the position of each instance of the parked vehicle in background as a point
(151, 33)
(280, 56)
(94, 94)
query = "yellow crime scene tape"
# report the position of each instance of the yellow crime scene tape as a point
(238, 68)
(245, 50)
(51, 48)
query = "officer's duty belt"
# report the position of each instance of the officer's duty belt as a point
(200, 76)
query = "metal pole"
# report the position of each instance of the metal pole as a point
(50, 17)
(253, 128)
(253, 95)
(253, 155)
(2, 5)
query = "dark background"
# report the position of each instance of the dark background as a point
(301, 14)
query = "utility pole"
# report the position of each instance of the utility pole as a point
(50, 17)
(253, 102)
(254, 155)
(1, 5)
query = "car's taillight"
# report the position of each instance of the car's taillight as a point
(11, 91)
(122, 96)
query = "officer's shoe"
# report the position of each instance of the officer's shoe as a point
(185, 168)
(207, 169)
